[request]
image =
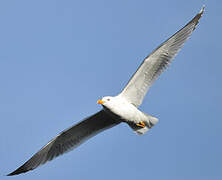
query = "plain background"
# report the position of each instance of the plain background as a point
(58, 57)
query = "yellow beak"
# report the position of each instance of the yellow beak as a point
(100, 101)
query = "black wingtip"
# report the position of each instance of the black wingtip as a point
(18, 171)
(202, 9)
(199, 15)
(11, 174)
(196, 19)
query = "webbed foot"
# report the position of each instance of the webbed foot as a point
(141, 124)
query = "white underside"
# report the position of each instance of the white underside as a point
(130, 114)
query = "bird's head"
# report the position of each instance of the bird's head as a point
(106, 101)
(115, 104)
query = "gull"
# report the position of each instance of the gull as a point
(120, 108)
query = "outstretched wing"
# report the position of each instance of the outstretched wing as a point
(156, 62)
(68, 139)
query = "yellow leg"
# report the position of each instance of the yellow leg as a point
(141, 124)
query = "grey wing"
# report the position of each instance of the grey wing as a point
(156, 62)
(68, 139)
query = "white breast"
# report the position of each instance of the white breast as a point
(126, 110)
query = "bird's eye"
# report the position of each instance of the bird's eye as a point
(108, 99)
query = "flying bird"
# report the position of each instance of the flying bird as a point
(120, 108)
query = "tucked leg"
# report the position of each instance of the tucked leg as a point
(141, 124)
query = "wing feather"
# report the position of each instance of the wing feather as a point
(68, 140)
(154, 64)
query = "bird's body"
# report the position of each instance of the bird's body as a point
(120, 108)
(126, 111)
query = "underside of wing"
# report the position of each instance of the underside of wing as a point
(156, 62)
(68, 139)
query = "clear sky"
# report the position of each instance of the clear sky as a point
(58, 57)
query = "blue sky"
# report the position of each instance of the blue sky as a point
(58, 57)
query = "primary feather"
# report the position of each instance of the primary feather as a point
(69, 139)
(156, 62)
